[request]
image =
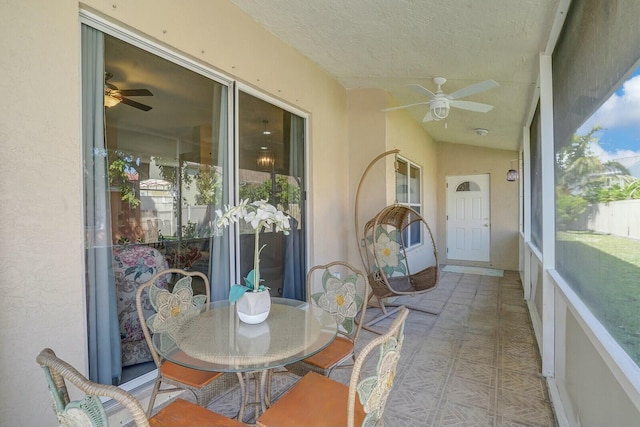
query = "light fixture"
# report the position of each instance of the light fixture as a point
(112, 96)
(512, 174)
(481, 132)
(439, 108)
(110, 99)
(266, 159)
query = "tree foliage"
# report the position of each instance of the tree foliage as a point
(284, 194)
(121, 167)
(582, 179)
(209, 186)
(568, 209)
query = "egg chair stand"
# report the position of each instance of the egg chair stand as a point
(399, 255)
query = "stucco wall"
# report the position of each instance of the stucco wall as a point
(41, 267)
(40, 202)
(373, 132)
(417, 146)
(459, 159)
(366, 141)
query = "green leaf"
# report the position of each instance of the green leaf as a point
(250, 279)
(236, 292)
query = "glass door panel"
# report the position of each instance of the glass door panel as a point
(164, 150)
(271, 168)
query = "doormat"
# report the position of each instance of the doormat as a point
(474, 270)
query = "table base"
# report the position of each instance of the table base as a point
(262, 392)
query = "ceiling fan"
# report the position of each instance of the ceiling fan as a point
(114, 96)
(440, 102)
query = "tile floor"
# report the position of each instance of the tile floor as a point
(475, 364)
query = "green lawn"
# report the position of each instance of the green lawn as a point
(605, 271)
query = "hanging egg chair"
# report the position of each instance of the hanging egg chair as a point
(399, 255)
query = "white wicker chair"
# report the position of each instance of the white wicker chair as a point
(317, 400)
(89, 411)
(341, 290)
(203, 384)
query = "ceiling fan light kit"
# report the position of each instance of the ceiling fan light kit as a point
(110, 100)
(439, 109)
(114, 96)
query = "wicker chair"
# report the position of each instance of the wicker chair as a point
(392, 269)
(341, 290)
(398, 251)
(203, 384)
(90, 411)
(316, 400)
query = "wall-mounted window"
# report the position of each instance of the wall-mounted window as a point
(409, 193)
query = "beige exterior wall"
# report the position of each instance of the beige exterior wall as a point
(458, 159)
(417, 146)
(366, 141)
(373, 132)
(40, 202)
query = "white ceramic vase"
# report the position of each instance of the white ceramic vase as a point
(254, 307)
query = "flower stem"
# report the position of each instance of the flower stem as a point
(256, 261)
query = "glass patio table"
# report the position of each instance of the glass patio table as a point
(217, 340)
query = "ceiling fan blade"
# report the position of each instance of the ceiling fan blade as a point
(135, 92)
(428, 117)
(472, 106)
(423, 91)
(406, 106)
(135, 104)
(470, 90)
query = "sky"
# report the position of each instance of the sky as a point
(619, 117)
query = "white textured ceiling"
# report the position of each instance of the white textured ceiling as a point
(390, 44)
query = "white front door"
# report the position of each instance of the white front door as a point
(468, 217)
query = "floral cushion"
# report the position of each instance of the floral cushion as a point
(387, 247)
(340, 299)
(374, 391)
(134, 265)
(172, 309)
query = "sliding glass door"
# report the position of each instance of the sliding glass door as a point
(159, 161)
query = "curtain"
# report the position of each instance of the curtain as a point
(219, 272)
(105, 363)
(294, 254)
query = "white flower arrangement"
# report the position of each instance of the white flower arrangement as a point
(259, 215)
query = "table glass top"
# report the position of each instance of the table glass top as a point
(217, 340)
